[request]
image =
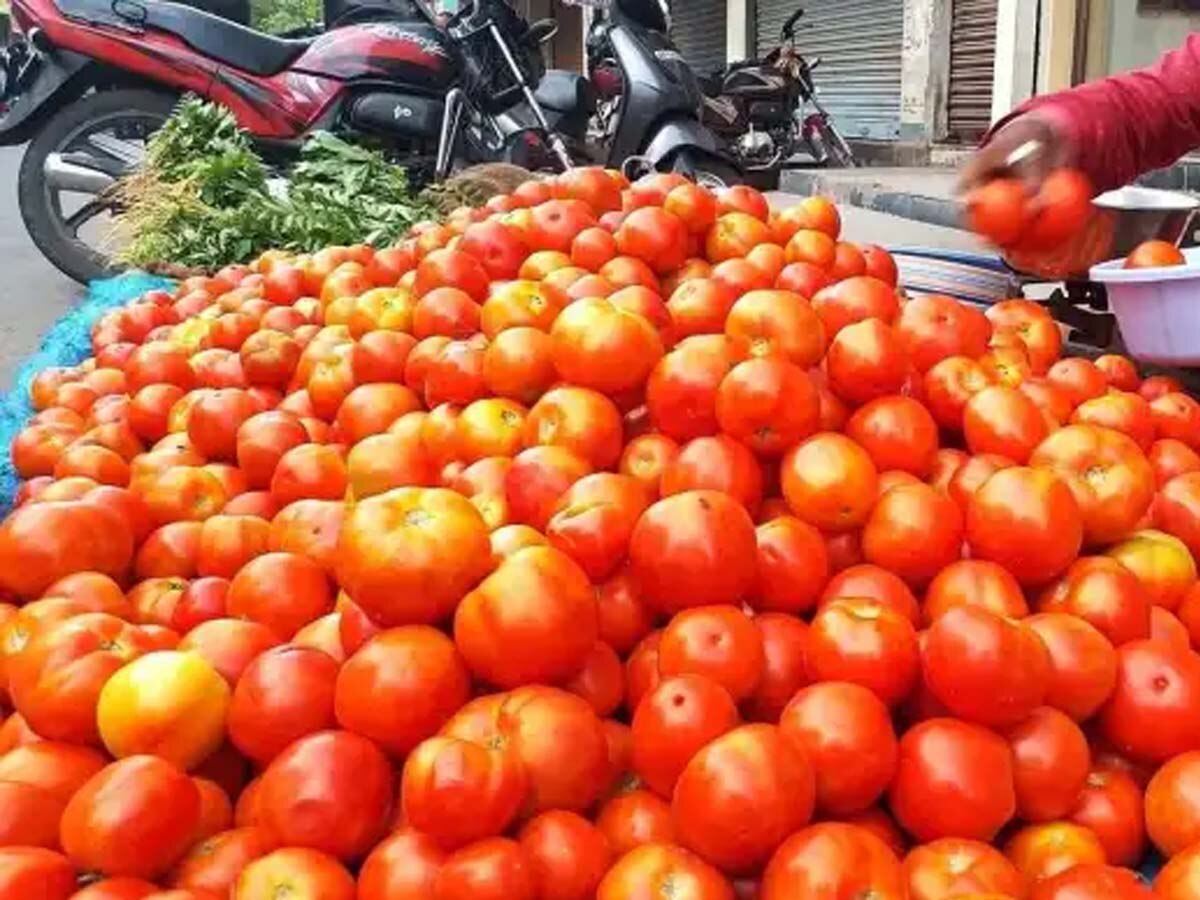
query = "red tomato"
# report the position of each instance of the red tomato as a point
(402, 867)
(1043, 851)
(847, 734)
(33, 873)
(538, 599)
(1027, 521)
(973, 582)
(457, 791)
(568, 855)
(735, 821)
(873, 583)
(792, 566)
(284, 694)
(693, 549)
(1179, 877)
(1146, 715)
(55, 681)
(296, 871)
(866, 361)
(330, 791)
(898, 433)
(953, 867)
(866, 643)
(1050, 764)
(593, 520)
(1093, 882)
(1105, 594)
(663, 869)
(830, 482)
(136, 818)
(913, 531)
(434, 536)
(672, 722)
(401, 686)
(1083, 664)
(1173, 804)
(557, 736)
(835, 859)
(719, 642)
(785, 639)
(954, 779)
(985, 668)
(214, 863)
(768, 404)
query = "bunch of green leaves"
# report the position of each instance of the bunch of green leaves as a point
(341, 193)
(201, 144)
(204, 198)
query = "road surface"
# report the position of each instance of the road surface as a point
(32, 292)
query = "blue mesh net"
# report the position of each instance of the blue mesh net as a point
(66, 343)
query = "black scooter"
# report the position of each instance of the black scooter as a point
(639, 108)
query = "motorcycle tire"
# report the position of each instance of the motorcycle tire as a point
(837, 152)
(704, 169)
(70, 255)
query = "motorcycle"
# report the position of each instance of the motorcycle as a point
(87, 82)
(758, 107)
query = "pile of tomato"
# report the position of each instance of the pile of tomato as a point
(609, 541)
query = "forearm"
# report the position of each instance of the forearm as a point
(1126, 125)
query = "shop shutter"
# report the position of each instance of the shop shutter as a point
(858, 42)
(972, 58)
(698, 30)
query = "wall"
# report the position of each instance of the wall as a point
(1122, 36)
(1137, 38)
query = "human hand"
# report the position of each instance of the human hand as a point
(1029, 148)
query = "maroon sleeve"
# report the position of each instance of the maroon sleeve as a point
(1125, 125)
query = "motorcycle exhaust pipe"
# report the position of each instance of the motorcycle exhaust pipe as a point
(68, 176)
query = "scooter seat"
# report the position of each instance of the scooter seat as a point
(565, 92)
(218, 38)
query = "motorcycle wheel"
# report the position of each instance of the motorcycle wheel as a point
(66, 175)
(837, 152)
(707, 170)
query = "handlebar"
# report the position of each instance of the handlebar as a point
(789, 27)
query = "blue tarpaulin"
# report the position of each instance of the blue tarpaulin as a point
(66, 343)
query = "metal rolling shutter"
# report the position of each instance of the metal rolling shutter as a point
(859, 44)
(972, 58)
(698, 30)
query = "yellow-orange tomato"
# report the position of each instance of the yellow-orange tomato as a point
(170, 704)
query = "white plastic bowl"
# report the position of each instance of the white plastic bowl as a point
(1158, 310)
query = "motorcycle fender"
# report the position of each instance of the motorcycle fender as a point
(23, 113)
(678, 134)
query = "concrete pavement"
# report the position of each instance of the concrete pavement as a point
(32, 292)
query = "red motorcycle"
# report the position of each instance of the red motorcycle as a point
(87, 81)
